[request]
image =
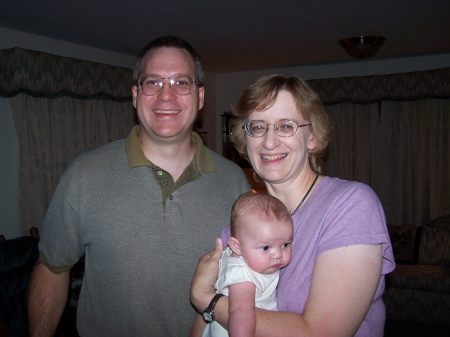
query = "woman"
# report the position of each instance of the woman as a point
(341, 247)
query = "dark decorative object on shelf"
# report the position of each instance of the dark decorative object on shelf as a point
(228, 149)
(204, 137)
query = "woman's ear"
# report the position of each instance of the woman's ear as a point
(312, 143)
(235, 246)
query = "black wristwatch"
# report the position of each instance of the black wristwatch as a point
(208, 312)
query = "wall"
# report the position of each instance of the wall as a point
(9, 149)
(229, 86)
(11, 38)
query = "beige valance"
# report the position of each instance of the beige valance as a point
(366, 89)
(46, 75)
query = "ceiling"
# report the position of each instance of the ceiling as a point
(238, 35)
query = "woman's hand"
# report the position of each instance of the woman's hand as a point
(202, 286)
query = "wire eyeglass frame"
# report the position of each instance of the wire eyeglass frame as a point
(181, 84)
(276, 126)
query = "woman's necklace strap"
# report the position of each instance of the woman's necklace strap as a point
(306, 195)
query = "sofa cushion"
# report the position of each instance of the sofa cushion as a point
(405, 243)
(442, 221)
(413, 307)
(17, 259)
(420, 277)
(435, 246)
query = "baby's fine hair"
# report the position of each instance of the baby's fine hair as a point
(260, 205)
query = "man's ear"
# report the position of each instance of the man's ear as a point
(235, 246)
(134, 93)
(201, 97)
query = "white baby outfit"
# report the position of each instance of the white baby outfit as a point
(234, 270)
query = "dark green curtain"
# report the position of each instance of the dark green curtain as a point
(45, 75)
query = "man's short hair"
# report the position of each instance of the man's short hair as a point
(170, 42)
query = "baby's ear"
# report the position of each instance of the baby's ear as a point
(235, 246)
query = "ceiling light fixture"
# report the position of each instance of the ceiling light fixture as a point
(362, 47)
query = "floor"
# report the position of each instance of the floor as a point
(392, 329)
(67, 325)
(407, 329)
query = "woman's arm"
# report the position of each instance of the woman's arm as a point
(343, 285)
(202, 286)
(198, 326)
(241, 311)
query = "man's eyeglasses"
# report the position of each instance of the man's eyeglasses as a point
(283, 128)
(151, 84)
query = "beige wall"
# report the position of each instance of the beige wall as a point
(230, 85)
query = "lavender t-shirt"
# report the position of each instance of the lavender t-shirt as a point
(338, 213)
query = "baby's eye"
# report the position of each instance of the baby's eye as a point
(286, 245)
(265, 248)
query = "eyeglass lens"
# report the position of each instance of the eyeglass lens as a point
(151, 84)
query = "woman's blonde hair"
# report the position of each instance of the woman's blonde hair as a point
(262, 94)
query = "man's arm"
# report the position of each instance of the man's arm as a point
(47, 297)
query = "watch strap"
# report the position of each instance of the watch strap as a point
(212, 304)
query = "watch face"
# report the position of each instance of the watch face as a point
(207, 317)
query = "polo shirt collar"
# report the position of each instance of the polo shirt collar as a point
(202, 160)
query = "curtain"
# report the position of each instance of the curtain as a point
(45, 75)
(61, 107)
(392, 133)
(400, 149)
(52, 133)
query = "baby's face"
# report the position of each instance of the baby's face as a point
(266, 244)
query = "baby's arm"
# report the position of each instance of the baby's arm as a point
(242, 318)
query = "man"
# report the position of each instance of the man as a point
(141, 211)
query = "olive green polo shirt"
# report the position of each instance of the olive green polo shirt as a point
(202, 161)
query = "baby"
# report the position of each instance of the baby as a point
(260, 245)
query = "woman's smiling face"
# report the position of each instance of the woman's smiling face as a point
(280, 159)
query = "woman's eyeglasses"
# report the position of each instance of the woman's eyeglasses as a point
(283, 128)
